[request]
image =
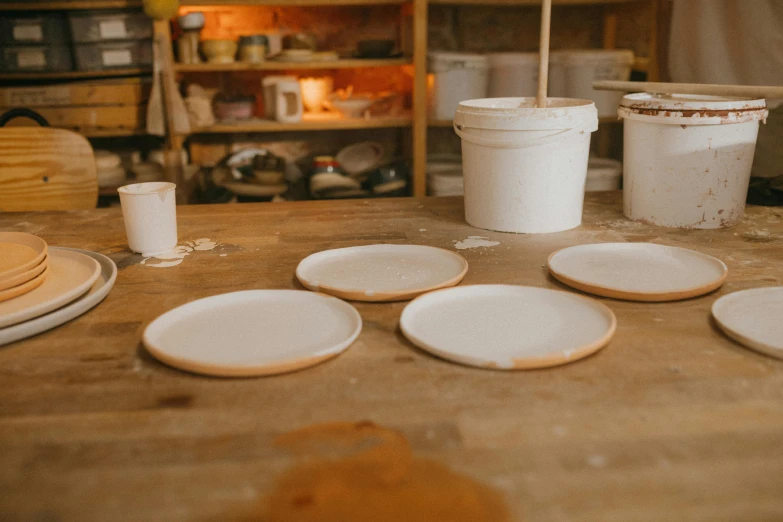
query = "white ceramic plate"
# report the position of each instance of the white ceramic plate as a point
(753, 318)
(14, 260)
(97, 292)
(381, 272)
(254, 332)
(70, 275)
(637, 271)
(507, 327)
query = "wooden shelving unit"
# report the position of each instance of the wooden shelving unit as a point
(305, 125)
(73, 75)
(69, 5)
(274, 65)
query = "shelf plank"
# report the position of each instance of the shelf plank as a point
(532, 2)
(259, 125)
(286, 3)
(273, 65)
(69, 75)
(68, 5)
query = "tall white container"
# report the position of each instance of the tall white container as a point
(687, 159)
(577, 69)
(456, 77)
(513, 74)
(525, 168)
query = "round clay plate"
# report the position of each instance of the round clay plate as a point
(254, 332)
(381, 272)
(753, 318)
(27, 275)
(507, 327)
(69, 276)
(637, 271)
(19, 252)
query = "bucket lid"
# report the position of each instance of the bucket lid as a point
(697, 109)
(593, 57)
(444, 61)
(521, 114)
(500, 59)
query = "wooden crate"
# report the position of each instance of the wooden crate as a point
(86, 119)
(132, 91)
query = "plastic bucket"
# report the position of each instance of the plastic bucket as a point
(456, 77)
(603, 174)
(583, 67)
(524, 168)
(513, 74)
(687, 159)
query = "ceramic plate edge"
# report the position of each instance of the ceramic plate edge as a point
(243, 371)
(68, 312)
(735, 336)
(30, 264)
(650, 297)
(526, 364)
(354, 295)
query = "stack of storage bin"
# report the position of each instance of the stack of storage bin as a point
(39, 43)
(111, 39)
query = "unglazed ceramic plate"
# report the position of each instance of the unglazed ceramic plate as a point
(257, 191)
(27, 275)
(70, 275)
(19, 252)
(24, 288)
(753, 318)
(507, 327)
(95, 295)
(381, 272)
(637, 271)
(254, 332)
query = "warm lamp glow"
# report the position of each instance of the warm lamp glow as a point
(315, 92)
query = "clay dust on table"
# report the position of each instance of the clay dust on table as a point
(357, 472)
(475, 242)
(176, 255)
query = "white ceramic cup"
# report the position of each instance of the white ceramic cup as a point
(150, 214)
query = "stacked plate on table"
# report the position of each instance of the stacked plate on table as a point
(42, 287)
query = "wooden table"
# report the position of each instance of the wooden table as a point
(672, 421)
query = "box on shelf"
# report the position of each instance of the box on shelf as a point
(48, 28)
(102, 26)
(36, 59)
(115, 55)
(85, 119)
(128, 91)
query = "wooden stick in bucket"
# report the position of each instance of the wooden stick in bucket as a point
(543, 53)
(739, 91)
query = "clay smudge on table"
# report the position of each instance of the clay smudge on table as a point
(351, 472)
(177, 255)
(475, 242)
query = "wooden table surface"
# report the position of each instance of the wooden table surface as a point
(672, 421)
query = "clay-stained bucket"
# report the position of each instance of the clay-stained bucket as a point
(524, 168)
(687, 159)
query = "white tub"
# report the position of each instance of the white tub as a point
(513, 75)
(687, 159)
(456, 77)
(573, 72)
(524, 168)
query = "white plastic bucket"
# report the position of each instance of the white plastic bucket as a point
(582, 67)
(456, 77)
(603, 174)
(524, 168)
(513, 74)
(687, 159)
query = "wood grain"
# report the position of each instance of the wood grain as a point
(46, 169)
(672, 421)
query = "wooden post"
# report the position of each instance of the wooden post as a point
(420, 98)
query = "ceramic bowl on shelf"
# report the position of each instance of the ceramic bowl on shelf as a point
(219, 51)
(234, 108)
(352, 107)
(192, 21)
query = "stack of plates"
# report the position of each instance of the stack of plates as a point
(44, 287)
(444, 176)
(110, 171)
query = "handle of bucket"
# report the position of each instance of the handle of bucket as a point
(518, 144)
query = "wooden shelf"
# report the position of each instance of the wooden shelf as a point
(70, 75)
(65, 4)
(110, 133)
(286, 3)
(532, 2)
(273, 65)
(259, 125)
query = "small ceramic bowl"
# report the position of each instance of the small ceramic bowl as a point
(240, 108)
(353, 107)
(375, 48)
(389, 180)
(219, 51)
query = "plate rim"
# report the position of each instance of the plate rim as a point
(650, 297)
(30, 264)
(533, 363)
(282, 367)
(24, 288)
(354, 295)
(734, 335)
(37, 270)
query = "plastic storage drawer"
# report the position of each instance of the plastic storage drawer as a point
(34, 30)
(116, 55)
(106, 26)
(36, 59)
